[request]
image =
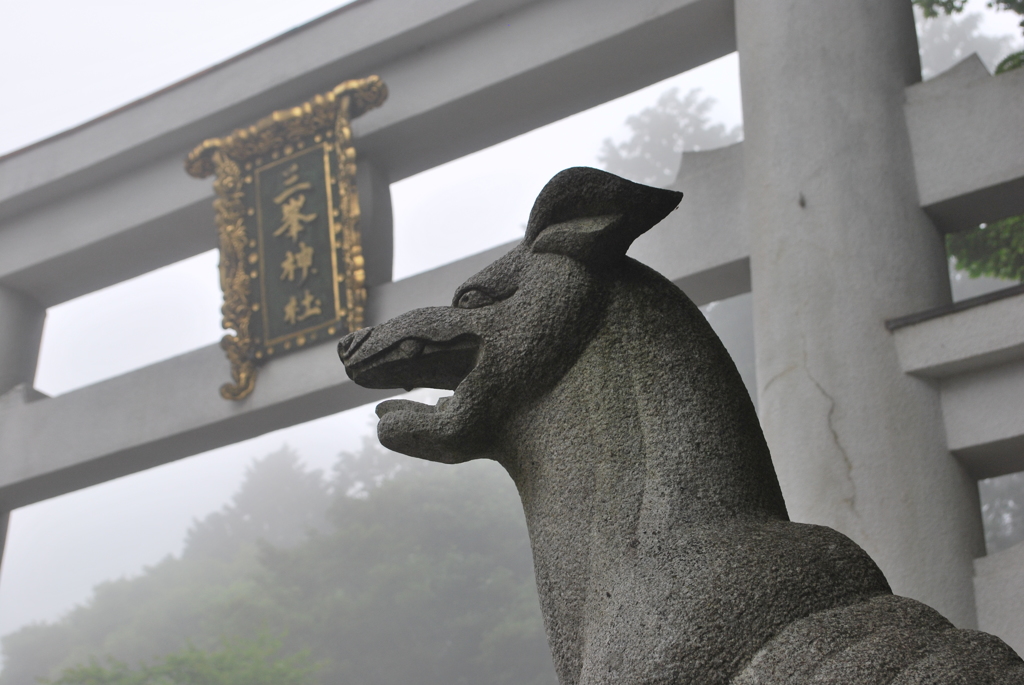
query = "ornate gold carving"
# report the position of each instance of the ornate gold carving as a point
(311, 124)
(348, 204)
(347, 101)
(234, 281)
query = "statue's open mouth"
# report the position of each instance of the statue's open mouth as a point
(389, 406)
(412, 363)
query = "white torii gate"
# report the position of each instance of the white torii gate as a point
(828, 213)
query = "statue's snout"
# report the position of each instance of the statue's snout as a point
(348, 345)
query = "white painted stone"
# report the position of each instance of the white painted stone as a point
(968, 152)
(172, 409)
(983, 412)
(975, 338)
(134, 223)
(999, 585)
(21, 329)
(839, 245)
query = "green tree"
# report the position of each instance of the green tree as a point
(932, 8)
(237, 662)
(180, 600)
(995, 250)
(410, 573)
(425, 576)
(945, 41)
(279, 503)
(660, 134)
(1002, 508)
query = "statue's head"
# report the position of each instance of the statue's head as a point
(513, 329)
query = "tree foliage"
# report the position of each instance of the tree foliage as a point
(237, 662)
(995, 250)
(933, 8)
(660, 134)
(278, 504)
(945, 41)
(390, 571)
(1011, 62)
(1002, 509)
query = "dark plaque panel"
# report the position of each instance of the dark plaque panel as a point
(299, 270)
(287, 212)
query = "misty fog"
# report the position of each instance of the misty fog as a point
(318, 520)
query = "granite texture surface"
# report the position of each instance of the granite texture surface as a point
(661, 541)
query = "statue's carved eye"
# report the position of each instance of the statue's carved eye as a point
(473, 298)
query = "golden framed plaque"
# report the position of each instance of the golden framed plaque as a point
(287, 215)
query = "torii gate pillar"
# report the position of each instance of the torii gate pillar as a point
(21, 330)
(839, 244)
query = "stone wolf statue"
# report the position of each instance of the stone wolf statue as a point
(661, 542)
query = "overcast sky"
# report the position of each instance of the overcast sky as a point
(67, 62)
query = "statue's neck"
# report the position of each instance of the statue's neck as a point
(608, 473)
(652, 420)
(649, 440)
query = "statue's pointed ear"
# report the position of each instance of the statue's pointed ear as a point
(586, 239)
(593, 216)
